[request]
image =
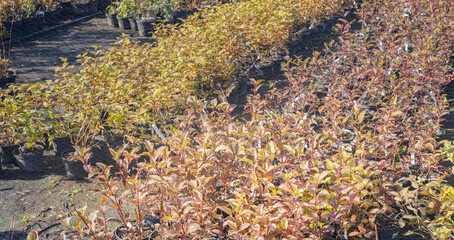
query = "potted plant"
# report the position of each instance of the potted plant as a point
(10, 20)
(78, 117)
(82, 128)
(150, 11)
(111, 15)
(28, 115)
(8, 140)
(125, 10)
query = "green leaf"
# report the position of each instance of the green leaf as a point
(329, 165)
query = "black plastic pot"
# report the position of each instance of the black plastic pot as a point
(31, 162)
(133, 24)
(4, 82)
(63, 144)
(101, 153)
(144, 27)
(7, 156)
(123, 23)
(74, 168)
(112, 20)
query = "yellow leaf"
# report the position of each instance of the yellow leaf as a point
(284, 130)
(162, 164)
(33, 235)
(103, 199)
(290, 149)
(246, 160)
(79, 228)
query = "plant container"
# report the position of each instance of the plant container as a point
(144, 27)
(74, 167)
(133, 24)
(112, 20)
(101, 153)
(30, 162)
(7, 156)
(62, 144)
(123, 23)
(11, 79)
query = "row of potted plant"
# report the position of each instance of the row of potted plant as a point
(26, 17)
(15, 132)
(348, 150)
(128, 104)
(139, 15)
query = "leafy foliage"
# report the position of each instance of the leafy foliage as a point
(351, 141)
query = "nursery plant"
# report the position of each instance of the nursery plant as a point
(349, 149)
(193, 58)
(126, 8)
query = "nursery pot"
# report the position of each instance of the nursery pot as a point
(144, 27)
(7, 156)
(4, 82)
(62, 144)
(133, 24)
(123, 23)
(30, 162)
(74, 167)
(112, 20)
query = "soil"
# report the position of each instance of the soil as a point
(40, 201)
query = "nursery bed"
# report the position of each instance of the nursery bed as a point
(40, 201)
